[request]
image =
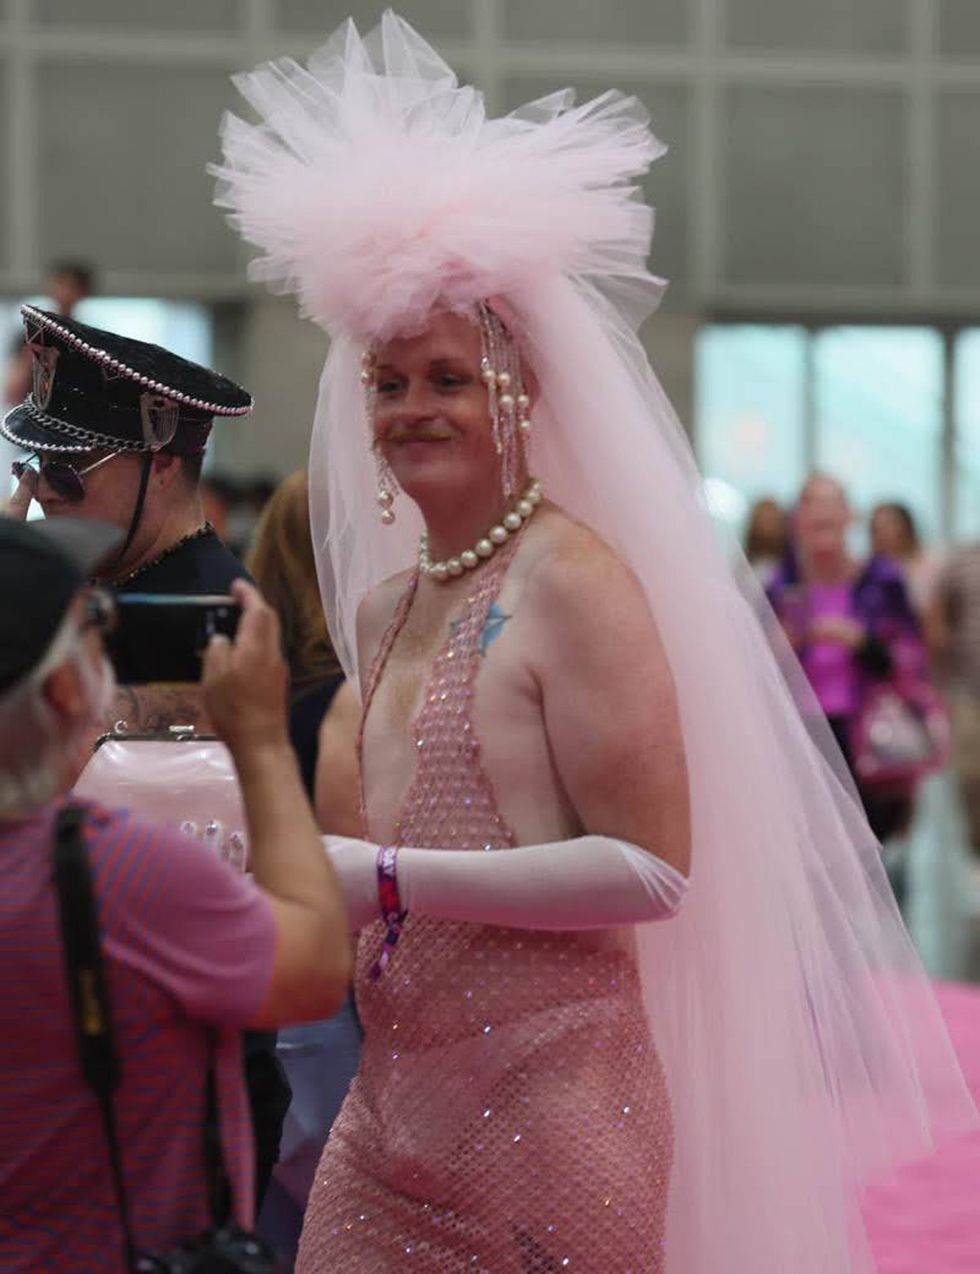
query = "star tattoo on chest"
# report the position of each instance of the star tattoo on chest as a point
(493, 626)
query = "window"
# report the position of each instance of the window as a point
(865, 403)
(750, 393)
(184, 327)
(878, 416)
(966, 398)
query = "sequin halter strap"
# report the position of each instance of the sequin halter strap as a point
(450, 801)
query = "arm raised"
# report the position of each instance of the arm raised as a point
(244, 686)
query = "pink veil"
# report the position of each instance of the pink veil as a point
(804, 1049)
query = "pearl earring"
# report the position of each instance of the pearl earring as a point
(524, 420)
(387, 489)
(386, 499)
(386, 479)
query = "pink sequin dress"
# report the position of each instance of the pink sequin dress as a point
(510, 1115)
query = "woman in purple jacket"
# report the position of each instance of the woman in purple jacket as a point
(850, 623)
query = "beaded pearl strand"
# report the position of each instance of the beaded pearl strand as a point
(484, 548)
(500, 368)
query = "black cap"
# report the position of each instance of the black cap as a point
(43, 564)
(95, 389)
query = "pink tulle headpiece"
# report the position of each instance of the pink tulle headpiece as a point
(377, 187)
(802, 1045)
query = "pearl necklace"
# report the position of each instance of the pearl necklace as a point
(469, 559)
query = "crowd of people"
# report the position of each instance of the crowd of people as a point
(579, 948)
(902, 617)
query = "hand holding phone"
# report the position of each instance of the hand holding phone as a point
(161, 638)
(245, 681)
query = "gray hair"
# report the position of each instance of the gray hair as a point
(35, 749)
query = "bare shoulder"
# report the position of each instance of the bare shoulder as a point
(571, 576)
(375, 612)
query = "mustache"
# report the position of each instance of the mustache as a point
(431, 429)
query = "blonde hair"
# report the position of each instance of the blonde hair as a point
(282, 563)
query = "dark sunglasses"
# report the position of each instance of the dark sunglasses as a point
(100, 611)
(62, 477)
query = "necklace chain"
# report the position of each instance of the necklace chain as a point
(198, 533)
(484, 548)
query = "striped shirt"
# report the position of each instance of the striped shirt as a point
(188, 946)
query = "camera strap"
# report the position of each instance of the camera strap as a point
(92, 1014)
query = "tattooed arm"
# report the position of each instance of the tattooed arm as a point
(154, 709)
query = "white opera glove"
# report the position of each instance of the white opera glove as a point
(592, 882)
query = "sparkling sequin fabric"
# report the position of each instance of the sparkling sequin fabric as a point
(510, 1114)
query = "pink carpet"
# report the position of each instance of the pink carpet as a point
(926, 1220)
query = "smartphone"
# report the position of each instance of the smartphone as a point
(160, 637)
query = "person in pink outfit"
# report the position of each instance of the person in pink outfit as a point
(499, 714)
(635, 996)
(193, 951)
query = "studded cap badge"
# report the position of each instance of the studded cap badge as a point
(159, 416)
(45, 360)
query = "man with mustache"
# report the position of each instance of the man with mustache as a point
(605, 892)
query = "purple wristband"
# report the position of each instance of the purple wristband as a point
(392, 912)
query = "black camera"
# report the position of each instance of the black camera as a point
(230, 1250)
(160, 637)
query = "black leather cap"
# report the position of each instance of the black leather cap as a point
(95, 389)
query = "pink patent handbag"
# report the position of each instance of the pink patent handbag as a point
(901, 734)
(188, 782)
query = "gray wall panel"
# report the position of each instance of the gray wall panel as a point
(959, 28)
(121, 167)
(802, 146)
(612, 22)
(844, 26)
(814, 187)
(150, 15)
(5, 167)
(320, 17)
(958, 188)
